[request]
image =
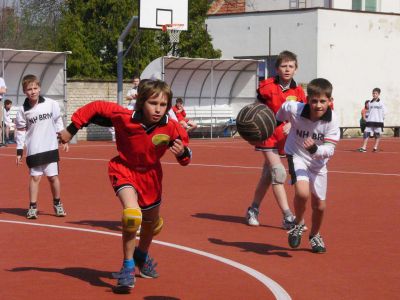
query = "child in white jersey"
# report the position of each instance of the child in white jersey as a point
(37, 122)
(310, 143)
(374, 121)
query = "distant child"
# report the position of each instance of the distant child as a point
(132, 93)
(37, 122)
(8, 121)
(374, 121)
(310, 143)
(180, 113)
(364, 116)
(273, 92)
(135, 173)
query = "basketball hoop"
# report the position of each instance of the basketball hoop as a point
(173, 30)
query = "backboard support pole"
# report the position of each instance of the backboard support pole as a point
(120, 58)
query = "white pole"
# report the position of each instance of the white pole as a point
(2, 144)
(211, 97)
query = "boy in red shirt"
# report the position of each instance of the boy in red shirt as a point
(273, 92)
(142, 138)
(180, 113)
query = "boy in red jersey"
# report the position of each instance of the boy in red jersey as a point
(273, 92)
(142, 138)
(180, 113)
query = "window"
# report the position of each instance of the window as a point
(367, 5)
(370, 5)
(356, 5)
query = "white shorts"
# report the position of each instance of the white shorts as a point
(318, 180)
(48, 170)
(374, 130)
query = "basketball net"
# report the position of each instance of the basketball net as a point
(173, 30)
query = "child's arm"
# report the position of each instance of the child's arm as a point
(327, 149)
(285, 112)
(179, 147)
(96, 112)
(20, 124)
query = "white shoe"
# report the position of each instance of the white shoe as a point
(252, 216)
(32, 213)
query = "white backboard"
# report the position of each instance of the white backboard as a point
(153, 14)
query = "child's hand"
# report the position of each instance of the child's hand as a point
(177, 148)
(19, 160)
(286, 128)
(64, 136)
(66, 147)
(308, 143)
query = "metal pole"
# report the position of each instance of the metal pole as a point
(211, 96)
(2, 144)
(120, 57)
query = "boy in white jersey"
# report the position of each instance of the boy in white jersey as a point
(310, 143)
(374, 121)
(38, 121)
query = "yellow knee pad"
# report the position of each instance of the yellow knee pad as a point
(131, 219)
(151, 227)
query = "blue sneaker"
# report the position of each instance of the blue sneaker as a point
(147, 267)
(126, 280)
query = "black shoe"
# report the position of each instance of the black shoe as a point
(375, 150)
(295, 233)
(317, 244)
(361, 150)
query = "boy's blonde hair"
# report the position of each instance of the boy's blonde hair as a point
(152, 88)
(28, 79)
(319, 86)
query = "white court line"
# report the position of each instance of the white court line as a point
(228, 166)
(274, 287)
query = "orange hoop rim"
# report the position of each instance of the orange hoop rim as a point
(167, 27)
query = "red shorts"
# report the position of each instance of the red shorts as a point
(275, 141)
(145, 180)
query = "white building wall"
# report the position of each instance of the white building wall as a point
(247, 35)
(355, 51)
(389, 6)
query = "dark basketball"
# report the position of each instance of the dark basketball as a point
(255, 122)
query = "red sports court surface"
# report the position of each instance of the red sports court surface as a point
(205, 250)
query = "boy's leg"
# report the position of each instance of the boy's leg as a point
(55, 186)
(316, 242)
(261, 189)
(273, 173)
(7, 133)
(146, 264)
(318, 209)
(51, 171)
(126, 277)
(34, 182)
(302, 192)
(377, 140)
(318, 205)
(365, 140)
(278, 178)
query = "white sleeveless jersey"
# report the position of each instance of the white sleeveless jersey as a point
(325, 132)
(41, 124)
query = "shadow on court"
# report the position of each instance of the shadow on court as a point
(14, 211)
(110, 225)
(259, 248)
(228, 218)
(90, 276)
